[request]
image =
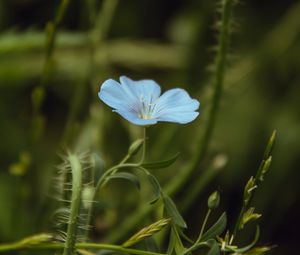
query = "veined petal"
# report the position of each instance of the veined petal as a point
(179, 117)
(133, 118)
(147, 90)
(129, 88)
(174, 101)
(112, 94)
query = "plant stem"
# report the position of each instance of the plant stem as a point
(203, 225)
(266, 156)
(144, 145)
(69, 245)
(59, 246)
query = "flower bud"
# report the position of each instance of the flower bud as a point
(250, 186)
(213, 200)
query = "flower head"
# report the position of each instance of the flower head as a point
(141, 102)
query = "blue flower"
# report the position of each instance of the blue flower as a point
(141, 102)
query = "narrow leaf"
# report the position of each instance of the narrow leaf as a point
(127, 176)
(214, 249)
(171, 244)
(178, 246)
(161, 164)
(155, 186)
(215, 229)
(171, 211)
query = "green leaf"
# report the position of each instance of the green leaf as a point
(215, 229)
(127, 176)
(171, 211)
(171, 244)
(214, 249)
(155, 186)
(178, 246)
(161, 164)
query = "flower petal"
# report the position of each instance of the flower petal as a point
(148, 90)
(180, 117)
(112, 94)
(133, 118)
(175, 101)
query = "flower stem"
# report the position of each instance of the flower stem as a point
(144, 145)
(203, 225)
(59, 246)
(69, 245)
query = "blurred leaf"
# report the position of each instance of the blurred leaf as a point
(176, 241)
(171, 210)
(126, 176)
(155, 186)
(214, 249)
(161, 164)
(215, 229)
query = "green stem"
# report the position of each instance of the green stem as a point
(237, 224)
(59, 246)
(69, 246)
(203, 225)
(144, 145)
(51, 31)
(266, 156)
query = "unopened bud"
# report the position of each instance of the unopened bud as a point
(213, 200)
(270, 145)
(265, 168)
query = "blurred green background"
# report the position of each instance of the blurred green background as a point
(49, 105)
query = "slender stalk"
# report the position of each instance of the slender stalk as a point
(144, 145)
(60, 246)
(39, 91)
(69, 245)
(203, 226)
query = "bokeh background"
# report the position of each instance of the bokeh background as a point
(49, 105)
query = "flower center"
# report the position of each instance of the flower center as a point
(146, 108)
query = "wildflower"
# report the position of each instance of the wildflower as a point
(141, 102)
